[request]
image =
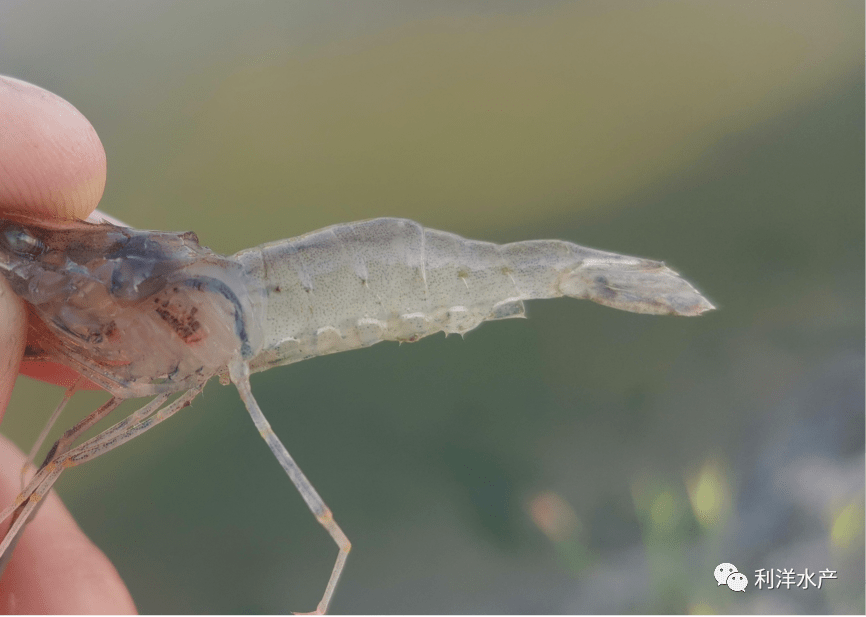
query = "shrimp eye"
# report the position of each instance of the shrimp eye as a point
(22, 242)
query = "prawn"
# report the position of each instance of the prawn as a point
(152, 314)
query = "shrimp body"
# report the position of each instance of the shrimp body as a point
(145, 313)
(353, 285)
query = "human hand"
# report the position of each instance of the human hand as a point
(52, 166)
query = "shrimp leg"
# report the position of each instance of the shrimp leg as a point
(62, 445)
(59, 447)
(240, 375)
(31, 456)
(28, 502)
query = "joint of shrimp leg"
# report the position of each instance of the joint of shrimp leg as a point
(327, 521)
(25, 495)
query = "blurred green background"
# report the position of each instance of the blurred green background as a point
(584, 460)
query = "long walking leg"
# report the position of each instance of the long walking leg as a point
(240, 374)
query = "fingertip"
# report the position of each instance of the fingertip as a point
(53, 163)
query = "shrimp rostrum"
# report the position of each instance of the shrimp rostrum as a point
(150, 314)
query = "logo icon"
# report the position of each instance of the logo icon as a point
(737, 582)
(727, 574)
(723, 571)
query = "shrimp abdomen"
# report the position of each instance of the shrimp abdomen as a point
(355, 284)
